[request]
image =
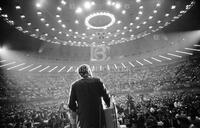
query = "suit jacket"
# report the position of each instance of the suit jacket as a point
(85, 100)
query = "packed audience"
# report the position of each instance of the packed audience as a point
(165, 110)
(177, 75)
(163, 96)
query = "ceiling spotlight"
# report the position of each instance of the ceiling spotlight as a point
(76, 22)
(138, 27)
(131, 24)
(47, 25)
(150, 27)
(109, 3)
(155, 11)
(158, 21)
(0, 9)
(138, 1)
(42, 19)
(59, 8)
(39, 13)
(22, 16)
(167, 14)
(117, 5)
(124, 12)
(18, 7)
(63, 2)
(92, 3)
(150, 17)
(79, 10)
(29, 24)
(158, 4)
(144, 22)
(140, 12)
(119, 22)
(137, 18)
(141, 7)
(59, 21)
(64, 26)
(70, 30)
(173, 6)
(113, 3)
(57, 16)
(38, 5)
(87, 5)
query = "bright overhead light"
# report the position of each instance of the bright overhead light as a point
(88, 18)
(140, 12)
(119, 22)
(59, 21)
(117, 5)
(64, 26)
(42, 19)
(39, 13)
(38, 5)
(29, 24)
(59, 8)
(173, 6)
(63, 2)
(92, 3)
(47, 25)
(87, 5)
(167, 14)
(18, 7)
(158, 21)
(76, 22)
(109, 2)
(79, 10)
(138, 1)
(113, 3)
(155, 11)
(22, 16)
(137, 18)
(158, 4)
(124, 12)
(141, 7)
(150, 17)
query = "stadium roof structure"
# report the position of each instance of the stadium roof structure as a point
(134, 32)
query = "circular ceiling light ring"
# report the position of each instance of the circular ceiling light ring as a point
(88, 18)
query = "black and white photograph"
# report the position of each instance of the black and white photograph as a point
(99, 64)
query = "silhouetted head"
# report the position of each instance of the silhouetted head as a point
(84, 71)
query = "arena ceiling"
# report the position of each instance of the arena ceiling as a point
(130, 29)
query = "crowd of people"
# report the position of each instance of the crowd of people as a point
(176, 75)
(161, 96)
(170, 109)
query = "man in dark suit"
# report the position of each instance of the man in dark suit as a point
(85, 100)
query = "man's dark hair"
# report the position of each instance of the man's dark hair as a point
(84, 70)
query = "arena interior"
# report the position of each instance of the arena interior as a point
(147, 53)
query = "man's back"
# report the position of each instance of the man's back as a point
(87, 94)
